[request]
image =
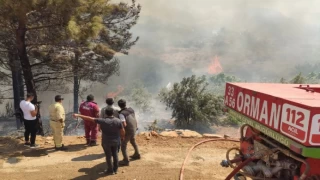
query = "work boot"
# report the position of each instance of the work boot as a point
(124, 163)
(135, 156)
(93, 143)
(62, 148)
(88, 142)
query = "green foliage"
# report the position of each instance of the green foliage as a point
(140, 97)
(217, 83)
(282, 81)
(298, 79)
(230, 121)
(191, 103)
(56, 32)
(311, 78)
(222, 78)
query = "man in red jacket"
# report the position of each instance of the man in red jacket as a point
(91, 109)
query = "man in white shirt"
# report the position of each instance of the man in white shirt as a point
(30, 120)
(109, 102)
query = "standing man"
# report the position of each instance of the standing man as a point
(112, 131)
(30, 120)
(90, 108)
(110, 102)
(57, 122)
(127, 117)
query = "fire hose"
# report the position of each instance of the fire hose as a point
(202, 142)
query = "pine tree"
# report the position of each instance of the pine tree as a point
(94, 47)
(35, 23)
(46, 29)
(298, 79)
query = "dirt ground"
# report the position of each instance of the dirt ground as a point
(162, 158)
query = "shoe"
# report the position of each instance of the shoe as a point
(115, 171)
(88, 142)
(106, 172)
(27, 144)
(62, 148)
(93, 143)
(135, 156)
(34, 146)
(124, 163)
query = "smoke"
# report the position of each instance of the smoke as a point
(254, 40)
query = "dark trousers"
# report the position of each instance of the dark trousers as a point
(30, 128)
(111, 151)
(129, 137)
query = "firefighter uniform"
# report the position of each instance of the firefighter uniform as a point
(57, 122)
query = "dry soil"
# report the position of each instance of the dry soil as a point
(162, 158)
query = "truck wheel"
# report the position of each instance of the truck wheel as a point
(239, 177)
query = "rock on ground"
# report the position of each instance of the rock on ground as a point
(190, 134)
(169, 134)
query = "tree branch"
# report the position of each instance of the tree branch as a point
(7, 98)
(42, 27)
(41, 79)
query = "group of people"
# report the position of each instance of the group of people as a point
(118, 127)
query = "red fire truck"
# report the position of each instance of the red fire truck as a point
(280, 137)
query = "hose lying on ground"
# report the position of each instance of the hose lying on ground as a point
(185, 160)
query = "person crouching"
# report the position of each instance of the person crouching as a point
(112, 130)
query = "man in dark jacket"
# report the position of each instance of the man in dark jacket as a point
(112, 131)
(127, 117)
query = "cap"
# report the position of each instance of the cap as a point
(58, 98)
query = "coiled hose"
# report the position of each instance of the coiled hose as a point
(205, 141)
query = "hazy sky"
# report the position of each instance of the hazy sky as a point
(258, 33)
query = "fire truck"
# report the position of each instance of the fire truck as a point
(280, 135)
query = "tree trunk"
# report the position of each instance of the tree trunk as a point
(76, 84)
(21, 85)
(15, 72)
(75, 93)
(24, 59)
